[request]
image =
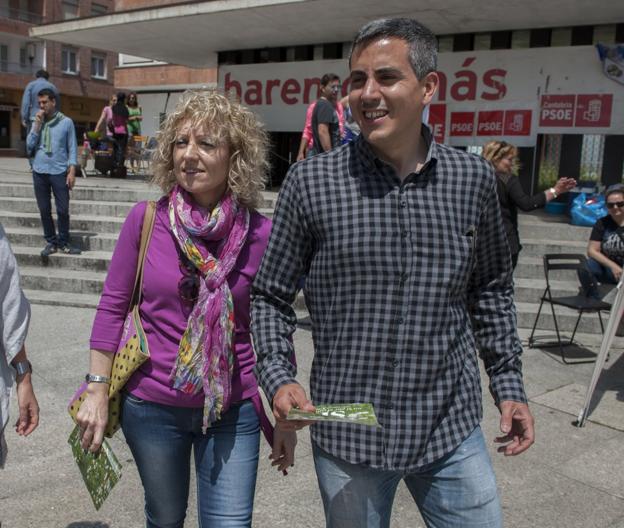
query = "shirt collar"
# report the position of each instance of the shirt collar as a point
(372, 161)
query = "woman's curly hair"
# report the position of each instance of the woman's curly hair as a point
(228, 121)
(494, 151)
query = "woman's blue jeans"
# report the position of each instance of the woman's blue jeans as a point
(457, 491)
(161, 439)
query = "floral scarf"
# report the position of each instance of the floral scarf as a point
(205, 356)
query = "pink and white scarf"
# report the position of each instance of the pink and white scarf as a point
(205, 356)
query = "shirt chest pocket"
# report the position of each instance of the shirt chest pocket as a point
(448, 259)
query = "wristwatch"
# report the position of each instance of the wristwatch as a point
(553, 192)
(23, 367)
(93, 378)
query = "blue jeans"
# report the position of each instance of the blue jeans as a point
(161, 439)
(45, 185)
(602, 274)
(458, 490)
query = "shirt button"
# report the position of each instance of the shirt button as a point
(403, 278)
(403, 203)
(404, 234)
(395, 362)
(401, 320)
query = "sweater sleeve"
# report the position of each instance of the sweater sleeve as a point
(523, 201)
(115, 300)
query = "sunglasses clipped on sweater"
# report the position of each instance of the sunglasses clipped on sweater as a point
(188, 285)
(611, 205)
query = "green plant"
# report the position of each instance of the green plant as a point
(548, 175)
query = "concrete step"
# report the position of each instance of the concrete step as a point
(538, 247)
(92, 224)
(533, 268)
(115, 193)
(77, 207)
(566, 318)
(53, 298)
(556, 231)
(108, 191)
(85, 240)
(61, 280)
(88, 261)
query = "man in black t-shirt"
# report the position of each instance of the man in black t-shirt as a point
(325, 124)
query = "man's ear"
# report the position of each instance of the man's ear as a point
(430, 86)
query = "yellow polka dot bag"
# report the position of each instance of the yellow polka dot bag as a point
(133, 349)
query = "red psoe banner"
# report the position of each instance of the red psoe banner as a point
(437, 121)
(490, 123)
(462, 123)
(593, 110)
(517, 123)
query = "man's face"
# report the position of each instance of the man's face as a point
(331, 90)
(47, 105)
(386, 98)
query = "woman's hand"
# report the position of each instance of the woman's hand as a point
(616, 270)
(93, 416)
(283, 454)
(564, 185)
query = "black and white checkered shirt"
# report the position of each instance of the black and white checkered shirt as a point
(405, 282)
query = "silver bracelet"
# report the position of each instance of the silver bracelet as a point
(94, 378)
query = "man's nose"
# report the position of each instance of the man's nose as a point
(370, 89)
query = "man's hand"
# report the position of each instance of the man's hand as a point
(517, 424)
(71, 177)
(283, 454)
(28, 407)
(39, 117)
(288, 396)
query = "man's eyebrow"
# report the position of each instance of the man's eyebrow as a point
(388, 70)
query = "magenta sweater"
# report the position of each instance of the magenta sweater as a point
(164, 314)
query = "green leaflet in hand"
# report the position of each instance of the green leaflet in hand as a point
(357, 413)
(100, 471)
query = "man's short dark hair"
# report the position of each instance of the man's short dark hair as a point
(42, 73)
(423, 45)
(329, 77)
(50, 93)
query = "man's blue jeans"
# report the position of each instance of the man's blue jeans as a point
(457, 491)
(161, 439)
(45, 185)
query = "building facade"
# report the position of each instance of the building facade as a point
(84, 76)
(539, 84)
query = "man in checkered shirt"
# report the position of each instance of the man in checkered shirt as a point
(408, 277)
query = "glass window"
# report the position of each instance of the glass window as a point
(482, 41)
(561, 37)
(98, 65)
(23, 57)
(604, 34)
(70, 9)
(445, 43)
(4, 57)
(69, 61)
(98, 9)
(520, 38)
(591, 157)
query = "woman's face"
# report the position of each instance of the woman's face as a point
(113, 100)
(200, 165)
(505, 164)
(131, 99)
(615, 206)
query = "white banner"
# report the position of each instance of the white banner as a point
(510, 94)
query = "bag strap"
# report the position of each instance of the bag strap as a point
(146, 235)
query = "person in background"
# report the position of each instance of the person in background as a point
(30, 103)
(105, 123)
(52, 147)
(14, 365)
(120, 133)
(306, 146)
(504, 158)
(197, 392)
(135, 115)
(605, 250)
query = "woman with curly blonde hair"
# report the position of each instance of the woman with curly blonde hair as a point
(504, 158)
(197, 392)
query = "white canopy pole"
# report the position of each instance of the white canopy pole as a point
(617, 309)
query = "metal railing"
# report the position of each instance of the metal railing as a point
(20, 14)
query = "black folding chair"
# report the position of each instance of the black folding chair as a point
(580, 302)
